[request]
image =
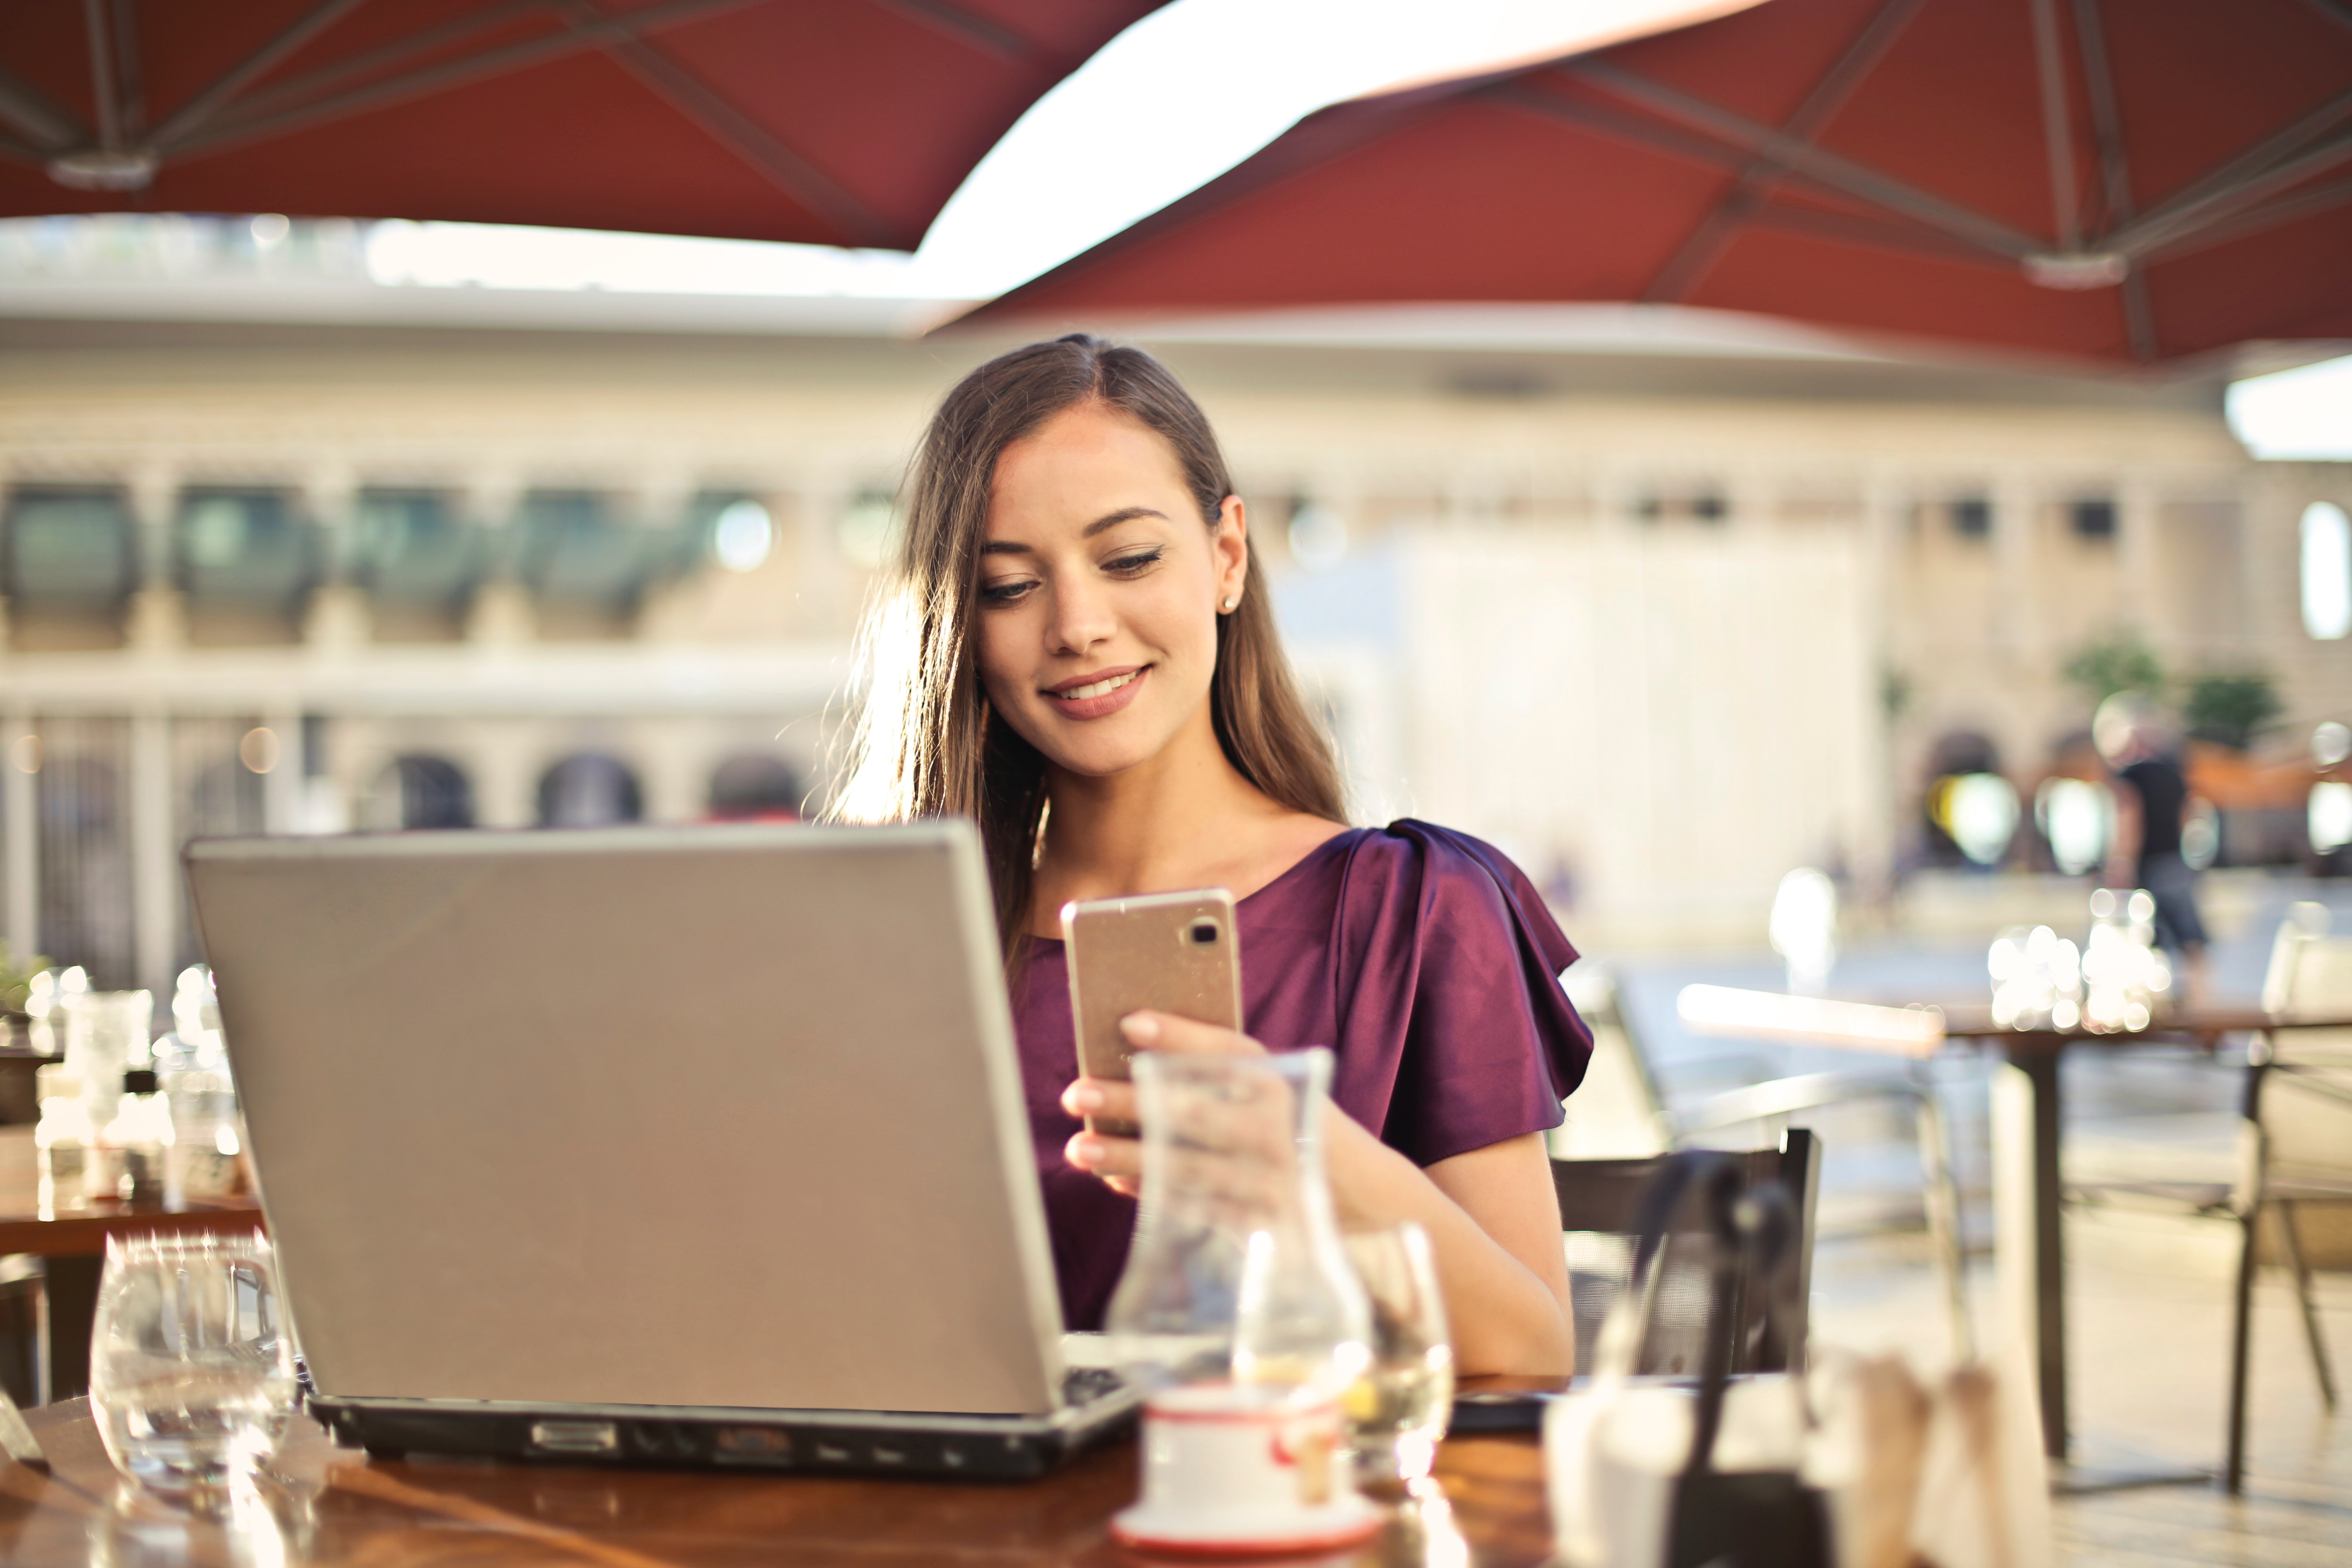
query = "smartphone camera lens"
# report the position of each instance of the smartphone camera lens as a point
(1202, 932)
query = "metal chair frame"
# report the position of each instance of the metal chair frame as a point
(2259, 1190)
(1605, 1195)
(1774, 1100)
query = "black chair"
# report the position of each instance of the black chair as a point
(1599, 1199)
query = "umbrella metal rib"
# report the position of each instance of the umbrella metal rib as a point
(102, 73)
(199, 108)
(957, 23)
(1822, 168)
(1689, 264)
(52, 128)
(2057, 125)
(577, 37)
(2115, 169)
(319, 78)
(2265, 169)
(783, 167)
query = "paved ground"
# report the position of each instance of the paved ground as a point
(2149, 1293)
(2149, 1319)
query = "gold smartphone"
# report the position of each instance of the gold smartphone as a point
(1172, 953)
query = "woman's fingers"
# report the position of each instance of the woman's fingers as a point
(1100, 1098)
(1221, 1133)
(1150, 1031)
(1106, 1157)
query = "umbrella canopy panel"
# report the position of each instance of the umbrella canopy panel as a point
(2119, 180)
(827, 122)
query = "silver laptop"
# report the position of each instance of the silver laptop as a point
(693, 1145)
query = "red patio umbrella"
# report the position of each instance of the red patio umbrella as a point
(2113, 180)
(833, 121)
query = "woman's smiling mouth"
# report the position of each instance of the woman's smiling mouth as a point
(1110, 683)
(1097, 696)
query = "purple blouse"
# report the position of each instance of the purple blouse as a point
(1423, 957)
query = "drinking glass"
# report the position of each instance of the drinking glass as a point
(1398, 1411)
(191, 1371)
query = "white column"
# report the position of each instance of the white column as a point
(2016, 529)
(159, 617)
(20, 804)
(337, 616)
(1752, 499)
(501, 614)
(1616, 494)
(281, 787)
(830, 589)
(673, 758)
(505, 760)
(154, 873)
(2137, 549)
(1886, 503)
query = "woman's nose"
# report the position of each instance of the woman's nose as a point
(1081, 618)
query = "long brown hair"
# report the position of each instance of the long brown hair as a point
(926, 744)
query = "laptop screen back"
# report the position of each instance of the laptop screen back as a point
(700, 1117)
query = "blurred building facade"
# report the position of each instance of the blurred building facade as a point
(1663, 626)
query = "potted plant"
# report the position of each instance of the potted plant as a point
(16, 990)
(17, 1100)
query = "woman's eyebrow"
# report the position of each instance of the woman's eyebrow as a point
(1109, 520)
(1123, 514)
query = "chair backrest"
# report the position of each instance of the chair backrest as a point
(2310, 973)
(1617, 1111)
(1598, 1199)
(2305, 1103)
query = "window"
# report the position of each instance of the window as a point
(1972, 517)
(1699, 504)
(419, 791)
(70, 549)
(868, 529)
(579, 554)
(588, 789)
(247, 547)
(411, 548)
(741, 532)
(82, 814)
(2093, 519)
(755, 786)
(2327, 570)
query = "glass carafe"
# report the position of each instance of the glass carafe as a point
(1240, 1312)
(1237, 1272)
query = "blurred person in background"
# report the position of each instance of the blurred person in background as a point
(1076, 652)
(2151, 795)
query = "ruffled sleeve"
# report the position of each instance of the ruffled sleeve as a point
(1455, 1032)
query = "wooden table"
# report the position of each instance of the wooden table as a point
(324, 1505)
(73, 1240)
(2028, 1190)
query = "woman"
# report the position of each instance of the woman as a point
(1078, 656)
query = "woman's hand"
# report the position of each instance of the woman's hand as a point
(1120, 1161)
(1491, 1216)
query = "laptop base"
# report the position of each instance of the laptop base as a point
(933, 1448)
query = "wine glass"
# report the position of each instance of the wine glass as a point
(1398, 1410)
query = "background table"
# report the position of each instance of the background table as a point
(2029, 1191)
(325, 1505)
(73, 1241)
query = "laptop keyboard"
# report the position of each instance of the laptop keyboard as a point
(1084, 1384)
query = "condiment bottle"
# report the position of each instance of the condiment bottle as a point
(61, 1138)
(127, 1160)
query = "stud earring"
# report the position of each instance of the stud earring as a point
(1230, 603)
